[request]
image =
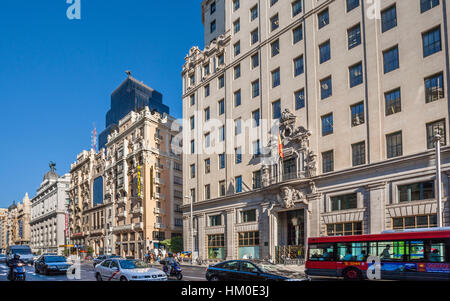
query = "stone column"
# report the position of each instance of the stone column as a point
(312, 227)
(273, 232)
(229, 234)
(377, 205)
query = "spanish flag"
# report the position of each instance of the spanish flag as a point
(280, 147)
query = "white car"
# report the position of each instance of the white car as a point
(127, 270)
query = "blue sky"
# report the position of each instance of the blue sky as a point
(56, 75)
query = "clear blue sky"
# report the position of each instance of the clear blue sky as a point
(57, 75)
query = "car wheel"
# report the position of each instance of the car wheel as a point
(98, 277)
(214, 278)
(46, 272)
(123, 278)
(352, 274)
(179, 276)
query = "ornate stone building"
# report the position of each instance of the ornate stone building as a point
(48, 213)
(355, 151)
(3, 228)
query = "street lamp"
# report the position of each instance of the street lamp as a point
(192, 227)
(437, 140)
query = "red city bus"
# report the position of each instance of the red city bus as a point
(422, 254)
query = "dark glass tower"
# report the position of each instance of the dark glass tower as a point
(131, 95)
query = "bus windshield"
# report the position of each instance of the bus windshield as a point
(21, 251)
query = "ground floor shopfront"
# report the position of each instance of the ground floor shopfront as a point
(274, 222)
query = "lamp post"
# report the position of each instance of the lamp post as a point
(192, 228)
(437, 140)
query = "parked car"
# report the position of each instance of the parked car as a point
(47, 264)
(101, 258)
(2, 258)
(23, 251)
(127, 270)
(243, 270)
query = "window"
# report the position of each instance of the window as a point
(192, 146)
(298, 66)
(426, 5)
(222, 134)
(193, 80)
(276, 78)
(388, 18)
(390, 58)
(216, 246)
(221, 81)
(247, 239)
(357, 111)
(274, 23)
(272, 2)
(215, 220)
(192, 121)
(255, 60)
(359, 153)
(207, 166)
(207, 192)
(298, 34)
(275, 46)
(416, 192)
(432, 128)
(207, 90)
(237, 25)
(254, 12)
(356, 76)
(237, 48)
(248, 216)
(354, 36)
(192, 171)
(296, 8)
(192, 99)
(222, 161)
(237, 98)
(237, 126)
(237, 71)
(413, 222)
(257, 181)
(212, 8)
(324, 18)
(206, 69)
(221, 107)
(254, 36)
(256, 118)
(394, 145)
(344, 229)
(238, 155)
(255, 89)
(299, 99)
(238, 184)
(222, 188)
(393, 102)
(431, 41)
(344, 202)
(207, 114)
(324, 52)
(221, 59)
(328, 161)
(236, 5)
(212, 26)
(193, 195)
(256, 148)
(276, 110)
(352, 4)
(434, 88)
(326, 89)
(327, 124)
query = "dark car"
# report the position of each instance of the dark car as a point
(47, 264)
(242, 270)
(2, 258)
(101, 258)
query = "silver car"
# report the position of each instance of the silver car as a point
(127, 270)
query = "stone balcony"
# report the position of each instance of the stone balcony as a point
(123, 228)
(158, 210)
(138, 211)
(159, 226)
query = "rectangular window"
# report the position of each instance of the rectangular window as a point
(328, 161)
(192, 122)
(216, 246)
(431, 41)
(324, 18)
(207, 90)
(347, 229)
(254, 36)
(237, 126)
(237, 26)
(327, 124)
(221, 81)
(432, 129)
(357, 114)
(221, 107)
(193, 199)
(238, 155)
(414, 222)
(388, 18)
(344, 202)
(212, 8)
(276, 110)
(390, 58)
(255, 89)
(297, 34)
(296, 8)
(207, 140)
(254, 12)
(352, 4)
(256, 148)
(215, 220)
(256, 118)
(434, 88)
(236, 5)
(221, 59)
(221, 134)
(354, 36)
(275, 46)
(222, 161)
(222, 188)
(325, 53)
(238, 184)
(237, 71)
(192, 99)
(192, 171)
(207, 192)
(393, 102)
(207, 114)
(326, 88)
(416, 192)
(237, 48)
(298, 66)
(359, 154)
(192, 146)
(255, 60)
(237, 98)
(207, 166)
(274, 23)
(299, 99)
(213, 26)
(257, 181)
(394, 145)
(248, 216)
(276, 78)
(426, 5)
(356, 76)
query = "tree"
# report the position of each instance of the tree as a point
(175, 244)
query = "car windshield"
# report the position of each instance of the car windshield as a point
(133, 264)
(21, 251)
(55, 259)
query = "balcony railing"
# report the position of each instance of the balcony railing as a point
(158, 211)
(159, 226)
(138, 210)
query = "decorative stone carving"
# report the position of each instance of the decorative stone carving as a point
(288, 196)
(311, 164)
(265, 177)
(312, 187)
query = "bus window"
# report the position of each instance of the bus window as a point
(321, 252)
(356, 251)
(392, 250)
(417, 249)
(436, 252)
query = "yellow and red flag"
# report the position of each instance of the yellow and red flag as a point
(280, 147)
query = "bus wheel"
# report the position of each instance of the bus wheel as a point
(352, 274)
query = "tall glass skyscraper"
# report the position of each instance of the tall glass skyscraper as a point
(131, 95)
